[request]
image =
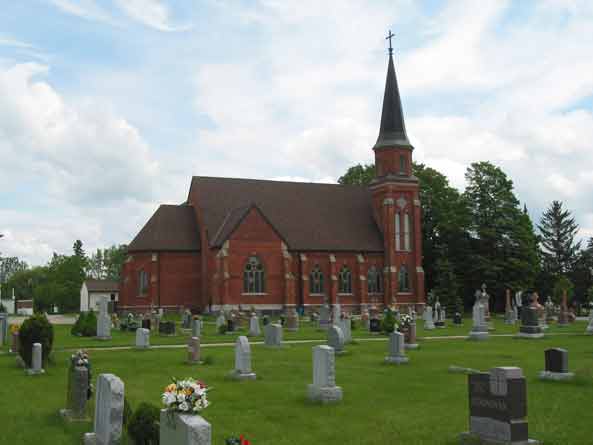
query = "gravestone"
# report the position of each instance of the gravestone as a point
(273, 335)
(563, 316)
(78, 392)
(146, 323)
(292, 320)
(3, 328)
(254, 330)
(411, 341)
(335, 339)
(265, 320)
(184, 429)
(324, 317)
(142, 338)
(37, 360)
(375, 325)
(508, 311)
(556, 365)
(438, 320)
(186, 320)
(324, 387)
(103, 320)
(530, 327)
(480, 327)
(497, 408)
(457, 319)
(428, 321)
(220, 321)
(365, 319)
(242, 369)
(336, 312)
(346, 325)
(167, 328)
(397, 349)
(14, 347)
(193, 350)
(109, 409)
(589, 329)
(230, 325)
(196, 327)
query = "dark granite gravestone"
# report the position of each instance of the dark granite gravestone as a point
(230, 325)
(556, 365)
(265, 320)
(375, 325)
(457, 318)
(167, 328)
(146, 323)
(530, 326)
(497, 408)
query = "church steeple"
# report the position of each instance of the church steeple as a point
(393, 128)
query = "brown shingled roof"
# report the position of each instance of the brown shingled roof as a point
(308, 216)
(172, 228)
(93, 285)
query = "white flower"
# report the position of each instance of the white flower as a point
(181, 398)
(184, 406)
(169, 398)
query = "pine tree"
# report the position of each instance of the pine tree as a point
(558, 230)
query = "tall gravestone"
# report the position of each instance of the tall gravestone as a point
(254, 329)
(563, 315)
(324, 387)
(497, 408)
(589, 329)
(220, 321)
(193, 350)
(78, 391)
(109, 410)
(37, 360)
(3, 328)
(428, 320)
(438, 318)
(509, 315)
(273, 335)
(242, 369)
(184, 429)
(335, 339)
(103, 320)
(186, 319)
(292, 320)
(556, 365)
(397, 349)
(480, 327)
(196, 327)
(346, 325)
(142, 338)
(365, 319)
(411, 340)
(530, 326)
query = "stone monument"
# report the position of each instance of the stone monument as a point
(37, 361)
(324, 387)
(292, 320)
(109, 410)
(556, 365)
(242, 369)
(254, 329)
(480, 327)
(103, 320)
(428, 321)
(142, 338)
(196, 327)
(397, 349)
(273, 335)
(184, 429)
(193, 350)
(530, 326)
(335, 339)
(509, 315)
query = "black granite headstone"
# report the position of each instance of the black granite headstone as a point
(230, 325)
(556, 360)
(457, 318)
(530, 321)
(146, 323)
(375, 325)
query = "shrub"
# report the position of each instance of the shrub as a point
(388, 322)
(35, 329)
(143, 426)
(86, 325)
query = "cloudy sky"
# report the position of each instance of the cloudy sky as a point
(108, 107)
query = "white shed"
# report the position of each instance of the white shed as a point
(92, 290)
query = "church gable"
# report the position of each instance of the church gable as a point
(247, 224)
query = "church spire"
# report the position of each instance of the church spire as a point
(393, 129)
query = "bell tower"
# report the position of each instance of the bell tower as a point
(396, 202)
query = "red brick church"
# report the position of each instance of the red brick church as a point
(275, 245)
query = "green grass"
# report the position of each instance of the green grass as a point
(420, 403)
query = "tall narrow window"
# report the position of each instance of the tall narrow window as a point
(254, 277)
(345, 281)
(142, 282)
(316, 280)
(397, 232)
(374, 281)
(402, 164)
(407, 232)
(404, 279)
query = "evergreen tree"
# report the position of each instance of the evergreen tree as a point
(558, 230)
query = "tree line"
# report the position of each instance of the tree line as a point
(483, 235)
(59, 281)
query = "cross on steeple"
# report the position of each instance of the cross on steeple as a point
(389, 36)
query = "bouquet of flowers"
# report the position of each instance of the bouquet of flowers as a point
(81, 358)
(405, 320)
(14, 328)
(237, 440)
(187, 396)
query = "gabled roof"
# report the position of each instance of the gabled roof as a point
(93, 285)
(307, 216)
(171, 228)
(393, 129)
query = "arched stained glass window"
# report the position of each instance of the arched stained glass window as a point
(397, 232)
(254, 276)
(407, 245)
(316, 280)
(374, 281)
(404, 279)
(345, 281)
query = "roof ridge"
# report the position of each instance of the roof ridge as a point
(280, 181)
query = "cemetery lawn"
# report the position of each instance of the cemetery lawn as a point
(418, 403)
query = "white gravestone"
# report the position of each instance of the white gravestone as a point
(335, 339)
(397, 349)
(196, 328)
(37, 360)
(193, 350)
(480, 327)
(242, 369)
(428, 321)
(220, 321)
(589, 329)
(109, 411)
(324, 387)
(184, 429)
(254, 329)
(273, 335)
(346, 326)
(142, 338)
(324, 316)
(103, 321)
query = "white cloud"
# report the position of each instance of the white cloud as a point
(86, 9)
(152, 13)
